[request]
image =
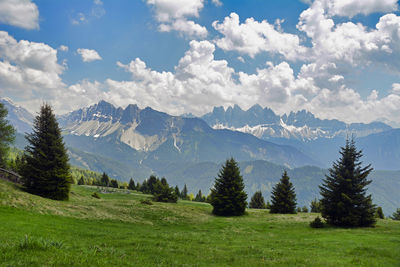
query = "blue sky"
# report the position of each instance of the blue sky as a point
(335, 58)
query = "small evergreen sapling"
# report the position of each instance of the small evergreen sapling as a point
(317, 223)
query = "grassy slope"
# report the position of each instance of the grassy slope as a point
(119, 230)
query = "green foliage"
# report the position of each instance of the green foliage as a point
(317, 223)
(268, 205)
(164, 193)
(344, 201)
(199, 197)
(177, 192)
(89, 177)
(396, 215)
(304, 209)
(315, 206)
(114, 183)
(379, 213)
(96, 195)
(118, 230)
(7, 136)
(283, 197)
(29, 243)
(229, 197)
(46, 171)
(184, 193)
(105, 180)
(131, 185)
(257, 201)
(81, 181)
(146, 202)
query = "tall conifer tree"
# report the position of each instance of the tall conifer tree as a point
(229, 198)
(344, 201)
(283, 197)
(46, 171)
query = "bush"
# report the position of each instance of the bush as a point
(146, 202)
(317, 223)
(95, 195)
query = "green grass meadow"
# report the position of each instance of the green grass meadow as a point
(120, 230)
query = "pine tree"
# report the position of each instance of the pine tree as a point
(131, 185)
(283, 197)
(81, 181)
(257, 201)
(105, 180)
(199, 197)
(229, 198)
(7, 135)
(344, 201)
(396, 215)
(46, 171)
(184, 193)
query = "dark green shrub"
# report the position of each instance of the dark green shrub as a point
(146, 202)
(317, 223)
(379, 213)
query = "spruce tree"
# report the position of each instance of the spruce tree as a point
(229, 198)
(396, 215)
(105, 180)
(131, 185)
(7, 135)
(199, 197)
(344, 201)
(184, 192)
(283, 197)
(257, 201)
(46, 171)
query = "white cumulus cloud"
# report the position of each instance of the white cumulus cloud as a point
(88, 55)
(173, 15)
(20, 13)
(253, 37)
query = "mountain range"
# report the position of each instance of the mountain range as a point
(133, 142)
